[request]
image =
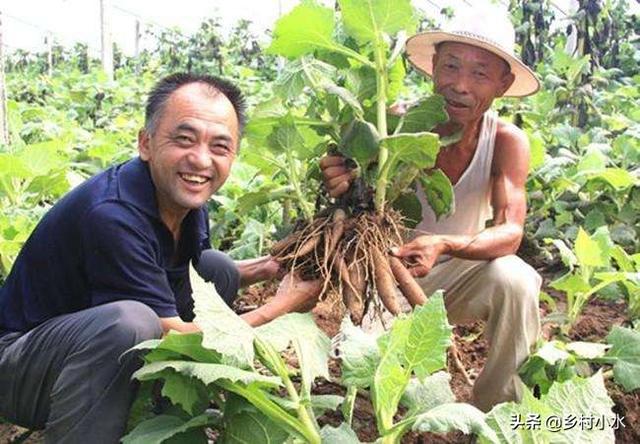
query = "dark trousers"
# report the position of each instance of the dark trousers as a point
(69, 376)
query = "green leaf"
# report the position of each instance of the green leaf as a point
(571, 283)
(297, 74)
(588, 251)
(251, 426)
(423, 396)
(205, 372)
(360, 142)
(618, 178)
(410, 207)
(415, 344)
(347, 96)
(343, 434)
(418, 149)
(625, 357)
(164, 427)
(425, 116)
(455, 416)
(359, 355)
(185, 391)
(222, 329)
(189, 345)
(286, 138)
(536, 142)
(577, 398)
(310, 343)
(306, 28)
(439, 192)
(366, 20)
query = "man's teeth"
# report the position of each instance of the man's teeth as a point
(194, 178)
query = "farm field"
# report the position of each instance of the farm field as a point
(317, 377)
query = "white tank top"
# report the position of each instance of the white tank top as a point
(472, 191)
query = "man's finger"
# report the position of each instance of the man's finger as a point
(339, 189)
(328, 161)
(332, 172)
(419, 271)
(335, 181)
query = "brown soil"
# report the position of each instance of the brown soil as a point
(595, 323)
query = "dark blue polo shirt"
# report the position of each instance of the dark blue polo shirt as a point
(103, 242)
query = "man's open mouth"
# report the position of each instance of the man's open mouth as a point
(195, 179)
(456, 104)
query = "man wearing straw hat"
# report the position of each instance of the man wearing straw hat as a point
(471, 253)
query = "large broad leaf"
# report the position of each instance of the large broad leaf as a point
(410, 207)
(455, 416)
(367, 20)
(439, 192)
(297, 74)
(285, 138)
(310, 343)
(422, 396)
(306, 28)
(419, 150)
(618, 178)
(416, 344)
(189, 393)
(588, 251)
(359, 355)
(360, 141)
(425, 116)
(251, 426)
(222, 329)
(343, 434)
(164, 427)
(625, 357)
(583, 402)
(207, 373)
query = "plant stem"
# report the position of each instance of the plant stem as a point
(349, 403)
(295, 182)
(381, 108)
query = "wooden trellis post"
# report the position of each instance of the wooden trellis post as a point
(4, 124)
(106, 41)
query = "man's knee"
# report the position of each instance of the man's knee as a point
(217, 267)
(511, 276)
(128, 323)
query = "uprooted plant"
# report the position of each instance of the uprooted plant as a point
(351, 65)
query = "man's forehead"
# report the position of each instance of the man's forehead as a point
(457, 49)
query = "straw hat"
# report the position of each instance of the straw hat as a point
(488, 29)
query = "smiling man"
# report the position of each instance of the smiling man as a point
(471, 253)
(107, 268)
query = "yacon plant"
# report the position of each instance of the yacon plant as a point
(350, 63)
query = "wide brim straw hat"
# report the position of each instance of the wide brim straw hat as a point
(489, 29)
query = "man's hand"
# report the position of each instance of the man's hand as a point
(259, 269)
(293, 294)
(337, 177)
(421, 253)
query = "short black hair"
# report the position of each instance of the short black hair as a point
(164, 88)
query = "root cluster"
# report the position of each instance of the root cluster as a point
(350, 255)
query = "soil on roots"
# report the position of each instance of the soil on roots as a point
(350, 255)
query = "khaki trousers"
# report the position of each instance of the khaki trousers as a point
(502, 292)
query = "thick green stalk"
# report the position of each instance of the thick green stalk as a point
(381, 108)
(274, 362)
(295, 182)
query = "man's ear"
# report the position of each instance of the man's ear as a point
(143, 144)
(507, 81)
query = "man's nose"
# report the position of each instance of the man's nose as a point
(461, 83)
(200, 156)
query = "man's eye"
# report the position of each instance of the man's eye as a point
(480, 74)
(183, 139)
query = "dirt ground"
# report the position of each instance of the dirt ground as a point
(597, 319)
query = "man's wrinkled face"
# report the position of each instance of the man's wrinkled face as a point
(469, 78)
(192, 147)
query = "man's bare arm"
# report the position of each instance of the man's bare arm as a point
(508, 200)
